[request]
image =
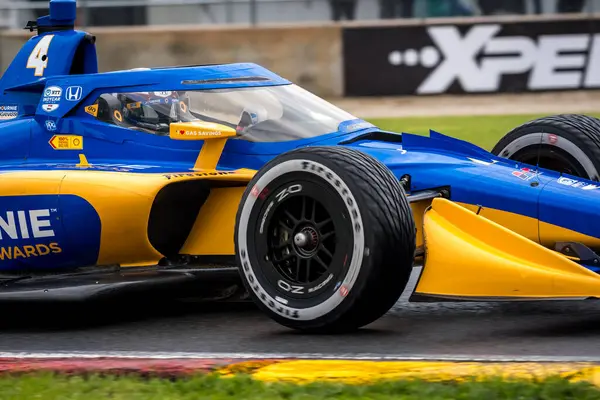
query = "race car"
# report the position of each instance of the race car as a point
(194, 179)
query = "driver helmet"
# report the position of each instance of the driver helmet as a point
(250, 116)
(154, 111)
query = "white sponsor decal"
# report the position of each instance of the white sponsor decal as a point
(577, 184)
(479, 59)
(6, 115)
(49, 107)
(52, 94)
(73, 93)
(15, 224)
(162, 94)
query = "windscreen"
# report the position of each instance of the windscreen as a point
(268, 114)
(258, 114)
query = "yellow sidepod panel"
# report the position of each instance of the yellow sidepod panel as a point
(123, 202)
(27, 183)
(469, 256)
(213, 231)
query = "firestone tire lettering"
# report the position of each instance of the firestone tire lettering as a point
(290, 288)
(287, 191)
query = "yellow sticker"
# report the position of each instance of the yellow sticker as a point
(137, 104)
(66, 142)
(92, 110)
(118, 115)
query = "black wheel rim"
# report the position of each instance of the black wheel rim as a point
(301, 240)
(551, 157)
(318, 218)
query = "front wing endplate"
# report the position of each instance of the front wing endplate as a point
(470, 257)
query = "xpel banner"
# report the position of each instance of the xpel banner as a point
(472, 58)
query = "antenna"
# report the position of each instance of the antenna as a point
(62, 15)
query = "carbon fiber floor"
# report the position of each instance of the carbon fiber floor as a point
(555, 329)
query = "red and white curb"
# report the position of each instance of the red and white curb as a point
(303, 367)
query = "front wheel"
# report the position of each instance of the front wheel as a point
(325, 239)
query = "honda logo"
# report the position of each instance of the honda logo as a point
(74, 93)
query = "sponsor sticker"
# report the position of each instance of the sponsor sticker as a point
(577, 184)
(73, 93)
(7, 115)
(50, 125)
(135, 105)
(66, 142)
(163, 94)
(344, 291)
(49, 107)
(8, 111)
(196, 174)
(9, 107)
(526, 174)
(52, 95)
(27, 226)
(92, 110)
(204, 133)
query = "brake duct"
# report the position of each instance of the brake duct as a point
(470, 257)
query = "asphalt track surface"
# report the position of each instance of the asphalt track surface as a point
(527, 330)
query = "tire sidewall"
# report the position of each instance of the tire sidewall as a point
(346, 285)
(548, 135)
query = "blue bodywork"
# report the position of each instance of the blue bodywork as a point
(474, 176)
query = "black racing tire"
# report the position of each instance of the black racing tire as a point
(369, 235)
(567, 143)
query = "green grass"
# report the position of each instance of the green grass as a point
(484, 131)
(41, 387)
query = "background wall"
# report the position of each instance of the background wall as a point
(392, 57)
(309, 55)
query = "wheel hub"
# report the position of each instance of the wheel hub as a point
(301, 239)
(306, 241)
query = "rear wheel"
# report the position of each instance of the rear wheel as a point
(325, 239)
(567, 143)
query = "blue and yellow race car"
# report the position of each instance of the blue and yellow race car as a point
(201, 177)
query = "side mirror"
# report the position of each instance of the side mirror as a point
(199, 130)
